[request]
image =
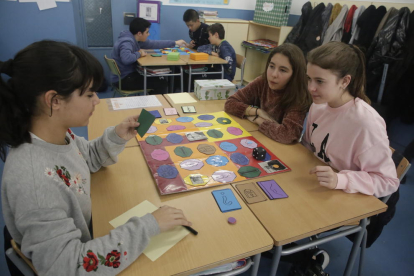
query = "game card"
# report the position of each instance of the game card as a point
(250, 193)
(226, 200)
(195, 136)
(272, 166)
(188, 109)
(163, 121)
(156, 113)
(272, 189)
(170, 111)
(145, 120)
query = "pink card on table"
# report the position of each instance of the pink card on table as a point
(170, 111)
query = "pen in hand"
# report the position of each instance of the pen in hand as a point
(191, 230)
(168, 217)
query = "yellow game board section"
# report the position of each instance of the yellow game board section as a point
(226, 127)
(206, 170)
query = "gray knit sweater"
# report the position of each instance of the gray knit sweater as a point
(47, 207)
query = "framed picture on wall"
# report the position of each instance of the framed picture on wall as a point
(149, 10)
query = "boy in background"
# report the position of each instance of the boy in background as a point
(222, 49)
(197, 30)
(129, 48)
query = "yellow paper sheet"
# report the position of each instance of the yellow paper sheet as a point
(159, 244)
(182, 98)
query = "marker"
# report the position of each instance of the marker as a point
(191, 230)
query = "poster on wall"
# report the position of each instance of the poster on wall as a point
(149, 10)
(201, 2)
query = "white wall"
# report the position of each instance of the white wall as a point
(234, 4)
(297, 4)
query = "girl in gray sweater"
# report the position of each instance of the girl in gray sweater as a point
(46, 181)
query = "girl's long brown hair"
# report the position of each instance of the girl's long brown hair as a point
(296, 94)
(343, 59)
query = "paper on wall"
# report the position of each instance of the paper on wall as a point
(46, 4)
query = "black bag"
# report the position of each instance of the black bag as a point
(312, 266)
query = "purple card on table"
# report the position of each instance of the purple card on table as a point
(156, 113)
(272, 189)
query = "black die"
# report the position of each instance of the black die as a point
(259, 153)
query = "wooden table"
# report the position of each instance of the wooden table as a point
(149, 60)
(310, 208)
(209, 107)
(211, 60)
(104, 117)
(119, 187)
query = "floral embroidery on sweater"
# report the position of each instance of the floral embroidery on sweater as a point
(59, 174)
(91, 261)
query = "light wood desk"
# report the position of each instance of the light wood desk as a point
(209, 107)
(211, 60)
(119, 187)
(103, 117)
(310, 208)
(149, 60)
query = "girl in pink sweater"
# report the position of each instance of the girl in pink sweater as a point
(342, 129)
(278, 100)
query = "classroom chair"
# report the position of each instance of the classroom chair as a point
(240, 62)
(115, 70)
(402, 166)
(20, 261)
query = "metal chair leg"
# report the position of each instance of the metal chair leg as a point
(355, 246)
(362, 253)
(276, 259)
(256, 263)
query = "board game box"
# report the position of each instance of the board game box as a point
(203, 150)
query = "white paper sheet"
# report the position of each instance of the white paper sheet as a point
(135, 102)
(158, 244)
(46, 4)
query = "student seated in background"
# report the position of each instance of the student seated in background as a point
(278, 100)
(46, 183)
(197, 30)
(129, 48)
(342, 129)
(222, 49)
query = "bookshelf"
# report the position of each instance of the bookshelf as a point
(256, 60)
(238, 30)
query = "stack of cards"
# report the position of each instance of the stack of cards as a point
(250, 193)
(226, 200)
(156, 113)
(272, 189)
(188, 109)
(170, 111)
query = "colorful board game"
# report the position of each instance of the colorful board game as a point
(181, 51)
(203, 150)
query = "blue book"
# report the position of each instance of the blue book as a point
(226, 200)
(156, 113)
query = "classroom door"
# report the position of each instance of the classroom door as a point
(94, 32)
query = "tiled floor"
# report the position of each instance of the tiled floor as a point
(390, 255)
